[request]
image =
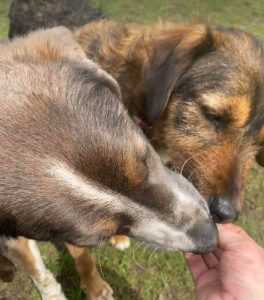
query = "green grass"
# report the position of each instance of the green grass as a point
(136, 273)
(4, 6)
(245, 14)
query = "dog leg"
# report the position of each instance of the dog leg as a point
(7, 269)
(94, 287)
(120, 242)
(25, 254)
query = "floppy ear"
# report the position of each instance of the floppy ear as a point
(71, 49)
(55, 43)
(170, 55)
(58, 43)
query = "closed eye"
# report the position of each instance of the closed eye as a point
(214, 118)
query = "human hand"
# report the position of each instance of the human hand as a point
(234, 270)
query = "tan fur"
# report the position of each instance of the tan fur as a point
(91, 281)
(22, 254)
(237, 107)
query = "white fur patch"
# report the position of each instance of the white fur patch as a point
(45, 282)
(161, 235)
(83, 187)
(120, 245)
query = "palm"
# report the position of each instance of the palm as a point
(208, 277)
(233, 271)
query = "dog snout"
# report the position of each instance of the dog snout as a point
(204, 237)
(222, 210)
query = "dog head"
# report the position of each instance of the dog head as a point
(74, 166)
(204, 90)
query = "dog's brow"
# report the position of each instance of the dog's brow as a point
(238, 107)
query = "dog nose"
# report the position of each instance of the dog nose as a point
(222, 210)
(204, 236)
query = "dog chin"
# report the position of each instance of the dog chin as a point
(167, 245)
(199, 238)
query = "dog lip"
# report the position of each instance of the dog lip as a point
(162, 246)
(165, 246)
(224, 221)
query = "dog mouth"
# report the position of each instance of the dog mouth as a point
(201, 237)
(162, 246)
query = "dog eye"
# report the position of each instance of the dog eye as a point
(212, 117)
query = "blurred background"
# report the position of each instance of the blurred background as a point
(140, 273)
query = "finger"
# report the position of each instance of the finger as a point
(234, 228)
(210, 260)
(218, 252)
(230, 233)
(207, 278)
(195, 264)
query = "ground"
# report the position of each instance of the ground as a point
(138, 273)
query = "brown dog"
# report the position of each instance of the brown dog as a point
(74, 166)
(200, 89)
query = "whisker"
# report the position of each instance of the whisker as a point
(186, 161)
(190, 175)
(133, 255)
(144, 250)
(152, 255)
(99, 260)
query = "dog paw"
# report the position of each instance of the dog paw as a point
(48, 287)
(105, 293)
(120, 242)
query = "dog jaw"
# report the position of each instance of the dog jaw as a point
(168, 228)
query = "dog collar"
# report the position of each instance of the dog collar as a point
(143, 125)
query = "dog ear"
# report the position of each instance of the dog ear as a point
(71, 49)
(53, 44)
(170, 55)
(58, 43)
(47, 45)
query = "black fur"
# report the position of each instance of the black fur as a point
(29, 15)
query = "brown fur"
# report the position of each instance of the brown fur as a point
(208, 126)
(91, 282)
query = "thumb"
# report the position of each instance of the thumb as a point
(230, 234)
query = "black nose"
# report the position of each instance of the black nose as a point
(204, 236)
(222, 210)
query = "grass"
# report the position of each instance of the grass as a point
(136, 273)
(4, 6)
